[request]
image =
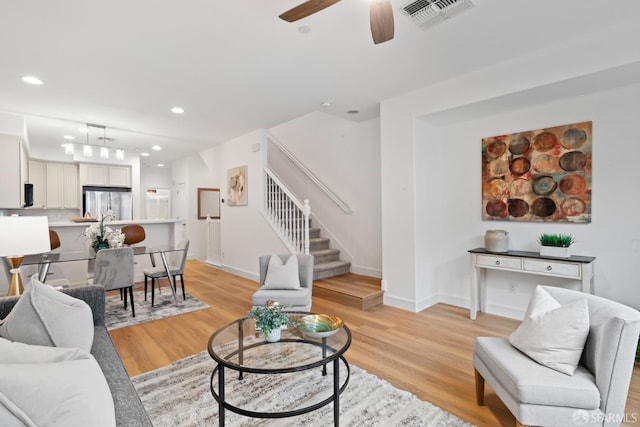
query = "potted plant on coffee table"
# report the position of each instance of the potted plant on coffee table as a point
(270, 319)
(556, 245)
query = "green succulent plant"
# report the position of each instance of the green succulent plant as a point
(557, 240)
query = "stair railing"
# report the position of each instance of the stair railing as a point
(317, 181)
(287, 215)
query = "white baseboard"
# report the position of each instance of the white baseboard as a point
(239, 272)
(366, 271)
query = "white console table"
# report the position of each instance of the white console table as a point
(574, 268)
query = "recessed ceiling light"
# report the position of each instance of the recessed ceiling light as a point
(144, 154)
(69, 137)
(83, 129)
(32, 80)
(160, 165)
(304, 29)
(156, 147)
(326, 104)
(177, 110)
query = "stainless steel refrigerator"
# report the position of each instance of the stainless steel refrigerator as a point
(98, 200)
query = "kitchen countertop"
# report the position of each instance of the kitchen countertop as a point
(116, 222)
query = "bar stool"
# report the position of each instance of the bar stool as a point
(133, 233)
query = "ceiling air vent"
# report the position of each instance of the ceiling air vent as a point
(426, 13)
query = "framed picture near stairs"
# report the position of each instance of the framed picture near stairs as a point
(237, 186)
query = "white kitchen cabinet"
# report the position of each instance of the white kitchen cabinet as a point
(105, 175)
(70, 184)
(55, 185)
(12, 172)
(120, 176)
(62, 186)
(38, 177)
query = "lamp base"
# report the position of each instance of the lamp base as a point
(15, 287)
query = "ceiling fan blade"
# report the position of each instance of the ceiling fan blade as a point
(305, 9)
(381, 19)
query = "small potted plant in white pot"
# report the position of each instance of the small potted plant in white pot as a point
(270, 319)
(556, 245)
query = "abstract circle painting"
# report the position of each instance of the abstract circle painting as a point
(540, 175)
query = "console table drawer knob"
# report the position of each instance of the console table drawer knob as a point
(549, 268)
(497, 262)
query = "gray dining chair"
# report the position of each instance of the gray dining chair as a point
(176, 261)
(113, 269)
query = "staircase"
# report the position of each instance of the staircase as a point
(290, 219)
(326, 261)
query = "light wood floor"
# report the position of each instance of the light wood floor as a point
(427, 353)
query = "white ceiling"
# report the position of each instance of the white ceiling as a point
(234, 66)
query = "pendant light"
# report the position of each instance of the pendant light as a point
(87, 151)
(104, 150)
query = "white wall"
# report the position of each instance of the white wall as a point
(188, 174)
(440, 128)
(245, 233)
(345, 156)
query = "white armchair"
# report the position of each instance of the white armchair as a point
(299, 297)
(595, 394)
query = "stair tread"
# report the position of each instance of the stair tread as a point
(329, 265)
(320, 252)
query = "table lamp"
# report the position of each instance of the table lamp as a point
(19, 236)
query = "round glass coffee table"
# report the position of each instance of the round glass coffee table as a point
(239, 346)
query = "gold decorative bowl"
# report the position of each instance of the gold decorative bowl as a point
(319, 325)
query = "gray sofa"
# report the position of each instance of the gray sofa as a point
(128, 408)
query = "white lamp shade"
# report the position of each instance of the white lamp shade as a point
(24, 235)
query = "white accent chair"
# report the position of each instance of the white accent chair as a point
(299, 299)
(595, 395)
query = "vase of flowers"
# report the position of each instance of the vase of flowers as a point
(103, 236)
(270, 319)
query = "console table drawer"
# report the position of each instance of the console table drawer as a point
(497, 261)
(553, 268)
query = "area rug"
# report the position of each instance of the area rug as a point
(179, 395)
(117, 317)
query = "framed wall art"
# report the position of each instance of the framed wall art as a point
(237, 186)
(541, 175)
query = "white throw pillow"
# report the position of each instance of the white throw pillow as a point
(45, 316)
(553, 334)
(54, 386)
(282, 276)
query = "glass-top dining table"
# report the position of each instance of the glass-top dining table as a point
(44, 260)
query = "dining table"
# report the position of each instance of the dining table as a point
(45, 259)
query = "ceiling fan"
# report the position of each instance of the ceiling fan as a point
(380, 16)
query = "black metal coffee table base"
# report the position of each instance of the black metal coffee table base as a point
(335, 397)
